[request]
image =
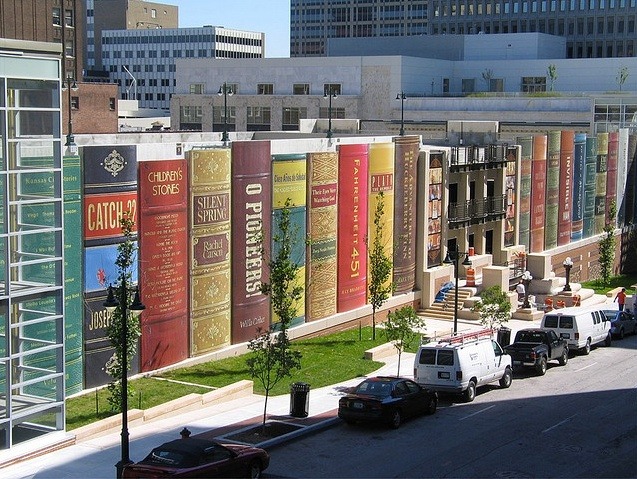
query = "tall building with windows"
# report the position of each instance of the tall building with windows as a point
(142, 62)
(592, 28)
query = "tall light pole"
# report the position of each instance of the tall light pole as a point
(453, 257)
(568, 264)
(402, 97)
(226, 91)
(329, 93)
(135, 308)
(70, 85)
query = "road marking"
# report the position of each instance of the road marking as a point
(585, 367)
(477, 412)
(559, 423)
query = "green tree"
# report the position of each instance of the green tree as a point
(272, 358)
(606, 245)
(380, 263)
(403, 327)
(552, 73)
(622, 76)
(126, 254)
(494, 307)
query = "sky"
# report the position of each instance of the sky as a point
(269, 16)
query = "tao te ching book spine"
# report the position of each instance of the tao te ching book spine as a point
(210, 249)
(251, 215)
(579, 159)
(526, 153)
(538, 193)
(322, 204)
(567, 151)
(600, 182)
(407, 149)
(552, 189)
(611, 173)
(163, 257)
(381, 181)
(590, 183)
(352, 226)
(289, 181)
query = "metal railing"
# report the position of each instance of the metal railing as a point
(476, 210)
(477, 155)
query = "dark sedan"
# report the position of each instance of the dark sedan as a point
(621, 323)
(193, 457)
(386, 399)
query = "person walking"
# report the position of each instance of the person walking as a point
(621, 299)
(520, 290)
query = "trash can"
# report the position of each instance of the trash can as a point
(504, 336)
(299, 399)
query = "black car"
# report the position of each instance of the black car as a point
(621, 323)
(194, 457)
(386, 399)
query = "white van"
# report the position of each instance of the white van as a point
(582, 327)
(461, 363)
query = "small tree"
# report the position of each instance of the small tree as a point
(380, 264)
(494, 307)
(606, 245)
(403, 328)
(126, 253)
(552, 73)
(272, 359)
(487, 75)
(622, 76)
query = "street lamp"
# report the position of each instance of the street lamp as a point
(402, 97)
(329, 93)
(526, 281)
(453, 257)
(226, 91)
(568, 264)
(70, 85)
(136, 308)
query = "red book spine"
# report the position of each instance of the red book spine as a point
(352, 226)
(251, 231)
(538, 193)
(567, 152)
(163, 256)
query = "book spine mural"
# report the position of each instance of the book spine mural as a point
(567, 151)
(434, 208)
(611, 174)
(600, 182)
(110, 190)
(630, 191)
(163, 253)
(552, 189)
(622, 163)
(510, 154)
(381, 181)
(352, 226)
(577, 213)
(405, 190)
(538, 193)
(73, 253)
(526, 153)
(210, 248)
(590, 173)
(289, 182)
(322, 232)
(251, 209)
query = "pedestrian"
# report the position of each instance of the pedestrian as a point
(520, 290)
(621, 299)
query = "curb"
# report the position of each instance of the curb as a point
(304, 431)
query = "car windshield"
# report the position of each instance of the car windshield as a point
(374, 388)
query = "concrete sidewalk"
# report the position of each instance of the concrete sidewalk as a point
(96, 457)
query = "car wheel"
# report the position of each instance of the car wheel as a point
(433, 404)
(506, 379)
(609, 339)
(586, 350)
(621, 333)
(541, 366)
(396, 419)
(470, 393)
(255, 470)
(563, 358)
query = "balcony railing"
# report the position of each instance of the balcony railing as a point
(478, 210)
(481, 156)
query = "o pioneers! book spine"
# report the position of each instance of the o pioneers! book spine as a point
(538, 193)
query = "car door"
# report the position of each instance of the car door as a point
(407, 398)
(498, 365)
(418, 396)
(219, 462)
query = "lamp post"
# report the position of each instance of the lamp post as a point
(453, 257)
(329, 93)
(70, 85)
(402, 97)
(135, 308)
(568, 264)
(526, 281)
(226, 91)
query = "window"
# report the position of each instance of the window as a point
(265, 89)
(153, 13)
(75, 103)
(445, 358)
(336, 112)
(468, 85)
(165, 82)
(111, 104)
(427, 356)
(292, 117)
(196, 88)
(258, 118)
(533, 84)
(332, 88)
(57, 16)
(301, 89)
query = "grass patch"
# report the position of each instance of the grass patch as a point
(326, 360)
(624, 280)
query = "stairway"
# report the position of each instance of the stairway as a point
(445, 309)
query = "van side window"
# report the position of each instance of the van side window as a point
(566, 322)
(550, 321)
(596, 317)
(427, 356)
(445, 358)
